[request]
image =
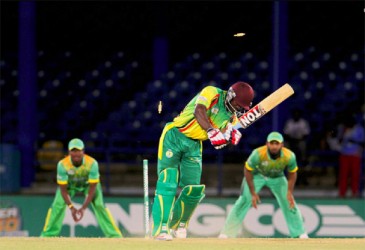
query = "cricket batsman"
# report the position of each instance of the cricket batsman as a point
(265, 167)
(78, 173)
(211, 114)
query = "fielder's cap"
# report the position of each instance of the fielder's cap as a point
(275, 136)
(76, 143)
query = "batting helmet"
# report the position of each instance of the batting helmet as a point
(243, 94)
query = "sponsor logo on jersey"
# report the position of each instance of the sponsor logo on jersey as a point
(169, 153)
(215, 110)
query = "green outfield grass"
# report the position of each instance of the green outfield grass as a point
(33, 243)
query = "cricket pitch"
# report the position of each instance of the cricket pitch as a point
(62, 243)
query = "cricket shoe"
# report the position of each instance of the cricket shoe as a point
(222, 236)
(303, 236)
(180, 232)
(164, 235)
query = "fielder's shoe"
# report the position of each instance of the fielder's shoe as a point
(164, 234)
(222, 236)
(303, 236)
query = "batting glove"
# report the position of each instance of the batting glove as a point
(217, 138)
(228, 132)
(232, 134)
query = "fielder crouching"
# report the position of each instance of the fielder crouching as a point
(265, 167)
(211, 114)
(78, 173)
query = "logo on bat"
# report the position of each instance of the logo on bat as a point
(251, 116)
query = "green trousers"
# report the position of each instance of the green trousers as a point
(56, 214)
(279, 187)
(176, 151)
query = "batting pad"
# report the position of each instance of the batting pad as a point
(164, 198)
(188, 200)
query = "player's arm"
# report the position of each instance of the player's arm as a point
(202, 103)
(201, 116)
(67, 199)
(292, 178)
(65, 195)
(90, 195)
(249, 178)
(62, 181)
(94, 176)
(88, 199)
(215, 136)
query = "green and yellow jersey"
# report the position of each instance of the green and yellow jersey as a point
(260, 162)
(78, 178)
(213, 99)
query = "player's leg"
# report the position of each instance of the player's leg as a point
(167, 172)
(192, 192)
(343, 175)
(355, 166)
(184, 207)
(164, 198)
(239, 210)
(55, 215)
(293, 217)
(103, 215)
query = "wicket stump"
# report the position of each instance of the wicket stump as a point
(146, 199)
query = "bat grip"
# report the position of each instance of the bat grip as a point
(237, 126)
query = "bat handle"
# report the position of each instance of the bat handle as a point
(237, 126)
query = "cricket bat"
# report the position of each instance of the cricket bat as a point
(270, 102)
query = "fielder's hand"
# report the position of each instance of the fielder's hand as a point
(80, 213)
(255, 200)
(75, 214)
(232, 134)
(217, 138)
(290, 198)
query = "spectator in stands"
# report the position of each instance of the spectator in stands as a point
(351, 139)
(329, 149)
(296, 131)
(78, 172)
(211, 114)
(265, 167)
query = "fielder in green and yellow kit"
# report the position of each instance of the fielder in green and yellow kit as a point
(265, 167)
(211, 114)
(76, 173)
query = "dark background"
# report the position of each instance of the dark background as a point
(94, 31)
(190, 26)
